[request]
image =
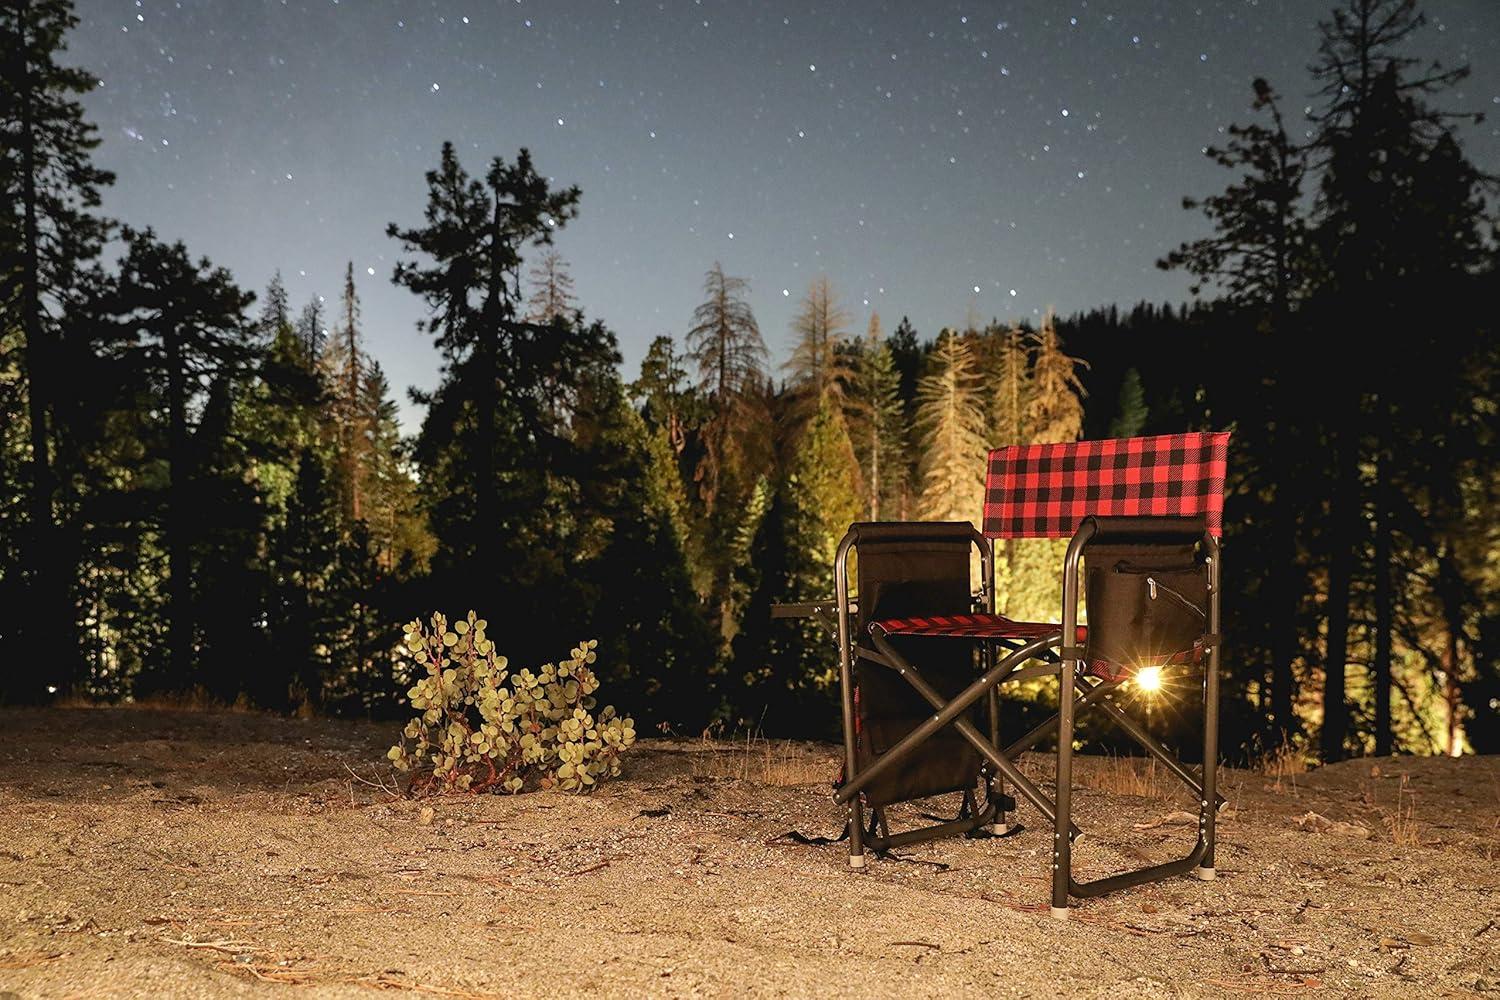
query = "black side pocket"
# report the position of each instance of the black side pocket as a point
(1142, 614)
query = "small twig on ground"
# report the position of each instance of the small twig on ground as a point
(591, 868)
(227, 946)
(30, 961)
(917, 944)
(391, 790)
(1252, 984)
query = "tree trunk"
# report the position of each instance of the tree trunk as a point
(1285, 600)
(1344, 517)
(179, 672)
(1383, 612)
(51, 632)
(1453, 619)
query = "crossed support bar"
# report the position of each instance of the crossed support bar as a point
(1076, 691)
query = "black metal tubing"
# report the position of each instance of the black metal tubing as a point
(907, 531)
(948, 829)
(1202, 855)
(1049, 727)
(1096, 695)
(1138, 733)
(846, 689)
(950, 712)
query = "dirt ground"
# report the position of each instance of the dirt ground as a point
(149, 853)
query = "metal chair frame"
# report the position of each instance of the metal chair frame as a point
(1078, 691)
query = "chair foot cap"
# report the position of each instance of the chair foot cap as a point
(1206, 874)
(998, 829)
(1059, 913)
(856, 861)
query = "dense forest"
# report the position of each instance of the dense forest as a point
(205, 490)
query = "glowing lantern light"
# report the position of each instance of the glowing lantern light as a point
(1148, 679)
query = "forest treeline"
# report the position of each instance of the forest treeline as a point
(206, 489)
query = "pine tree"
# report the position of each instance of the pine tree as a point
(1375, 132)
(394, 523)
(275, 309)
(668, 400)
(312, 331)
(343, 364)
(180, 322)
(822, 500)
(48, 231)
(1260, 258)
(491, 432)
(306, 613)
(725, 345)
(1054, 407)
(1053, 414)
(1010, 374)
(552, 298)
(640, 600)
(950, 429)
(1131, 418)
(819, 365)
(881, 445)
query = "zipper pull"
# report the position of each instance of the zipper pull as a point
(1151, 586)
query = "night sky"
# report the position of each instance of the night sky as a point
(933, 159)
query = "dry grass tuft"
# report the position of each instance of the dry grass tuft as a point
(1402, 822)
(1120, 775)
(1282, 765)
(197, 701)
(753, 757)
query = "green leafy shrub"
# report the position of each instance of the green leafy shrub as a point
(483, 727)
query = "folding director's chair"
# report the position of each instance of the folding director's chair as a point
(1144, 516)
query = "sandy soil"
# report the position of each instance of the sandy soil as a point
(148, 853)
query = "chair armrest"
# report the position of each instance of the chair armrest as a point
(810, 609)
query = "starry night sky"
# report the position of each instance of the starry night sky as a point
(934, 159)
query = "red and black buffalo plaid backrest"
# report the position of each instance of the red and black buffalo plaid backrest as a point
(1046, 490)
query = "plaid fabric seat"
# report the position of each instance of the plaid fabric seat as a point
(988, 626)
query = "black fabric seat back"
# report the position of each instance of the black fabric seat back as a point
(904, 571)
(1147, 590)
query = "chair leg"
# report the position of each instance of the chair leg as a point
(1062, 846)
(1210, 800)
(856, 834)
(995, 786)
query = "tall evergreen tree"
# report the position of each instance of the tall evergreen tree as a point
(343, 365)
(1376, 135)
(725, 345)
(819, 364)
(950, 429)
(1010, 374)
(49, 230)
(880, 425)
(491, 431)
(1054, 405)
(1131, 417)
(312, 331)
(1260, 259)
(181, 324)
(552, 298)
